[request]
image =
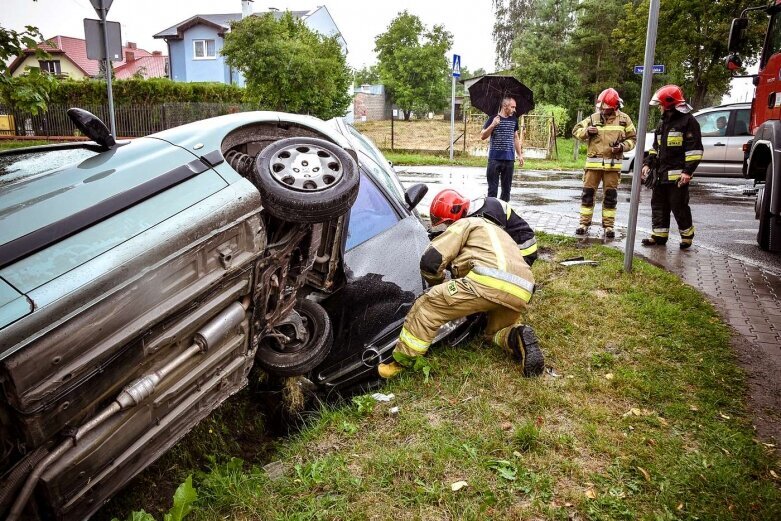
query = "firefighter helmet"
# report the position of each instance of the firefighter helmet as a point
(609, 99)
(671, 97)
(448, 206)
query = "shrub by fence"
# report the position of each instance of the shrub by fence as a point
(132, 120)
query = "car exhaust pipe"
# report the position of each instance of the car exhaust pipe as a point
(215, 331)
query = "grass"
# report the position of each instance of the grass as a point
(643, 419)
(10, 144)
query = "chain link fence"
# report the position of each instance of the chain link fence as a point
(131, 120)
(432, 136)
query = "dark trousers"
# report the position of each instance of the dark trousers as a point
(668, 197)
(500, 169)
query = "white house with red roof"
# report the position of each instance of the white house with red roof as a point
(68, 58)
(194, 44)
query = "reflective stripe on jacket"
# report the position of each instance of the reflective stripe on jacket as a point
(479, 250)
(617, 128)
(677, 146)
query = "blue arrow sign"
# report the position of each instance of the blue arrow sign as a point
(456, 65)
(657, 69)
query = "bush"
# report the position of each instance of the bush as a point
(144, 92)
(559, 114)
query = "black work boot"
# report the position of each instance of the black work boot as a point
(526, 350)
(581, 230)
(654, 241)
(610, 233)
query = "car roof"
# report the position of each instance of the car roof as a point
(727, 106)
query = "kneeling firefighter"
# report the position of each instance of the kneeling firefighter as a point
(489, 276)
(609, 133)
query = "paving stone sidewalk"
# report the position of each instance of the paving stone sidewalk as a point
(748, 298)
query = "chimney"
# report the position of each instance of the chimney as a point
(129, 55)
(246, 8)
(157, 53)
(132, 45)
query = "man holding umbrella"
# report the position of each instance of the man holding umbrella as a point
(503, 129)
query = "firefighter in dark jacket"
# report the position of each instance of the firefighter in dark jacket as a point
(449, 205)
(489, 276)
(676, 152)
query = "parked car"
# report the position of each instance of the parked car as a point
(725, 129)
(141, 282)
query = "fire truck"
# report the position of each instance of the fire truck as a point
(762, 162)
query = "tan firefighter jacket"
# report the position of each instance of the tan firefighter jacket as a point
(618, 128)
(485, 255)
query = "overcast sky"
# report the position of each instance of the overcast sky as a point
(470, 22)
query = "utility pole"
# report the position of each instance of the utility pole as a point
(456, 73)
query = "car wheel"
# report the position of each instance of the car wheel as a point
(295, 348)
(306, 179)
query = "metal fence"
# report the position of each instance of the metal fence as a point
(131, 120)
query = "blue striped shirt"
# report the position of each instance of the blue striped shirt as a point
(503, 138)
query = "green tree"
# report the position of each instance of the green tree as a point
(692, 43)
(366, 76)
(512, 17)
(412, 64)
(29, 92)
(543, 56)
(288, 67)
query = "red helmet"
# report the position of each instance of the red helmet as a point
(671, 97)
(609, 98)
(448, 206)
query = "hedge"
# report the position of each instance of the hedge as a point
(144, 92)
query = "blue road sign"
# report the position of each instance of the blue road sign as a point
(658, 69)
(456, 65)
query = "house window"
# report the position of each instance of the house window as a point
(50, 66)
(204, 50)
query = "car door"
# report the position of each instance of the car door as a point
(713, 126)
(383, 247)
(739, 135)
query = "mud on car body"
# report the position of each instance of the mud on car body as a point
(141, 282)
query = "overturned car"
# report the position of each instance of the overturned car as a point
(141, 282)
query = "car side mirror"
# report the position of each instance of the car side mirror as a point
(91, 126)
(737, 34)
(414, 194)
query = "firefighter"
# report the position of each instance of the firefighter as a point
(676, 152)
(609, 133)
(447, 204)
(489, 276)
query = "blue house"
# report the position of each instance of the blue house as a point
(194, 45)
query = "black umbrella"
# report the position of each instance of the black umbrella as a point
(487, 93)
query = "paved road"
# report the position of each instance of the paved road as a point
(723, 216)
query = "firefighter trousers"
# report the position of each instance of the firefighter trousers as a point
(448, 301)
(591, 180)
(667, 197)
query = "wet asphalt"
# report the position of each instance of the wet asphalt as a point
(723, 214)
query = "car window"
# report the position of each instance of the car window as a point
(742, 119)
(371, 214)
(713, 124)
(16, 167)
(772, 40)
(381, 168)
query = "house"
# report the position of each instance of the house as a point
(68, 58)
(194, 44)
(371, 104)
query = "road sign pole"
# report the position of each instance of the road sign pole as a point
(575, 141)
(452, 117)
(642, 124)
(103, 14)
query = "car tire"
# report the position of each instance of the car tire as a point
(298, 357)
(306, 179)
(769, 233)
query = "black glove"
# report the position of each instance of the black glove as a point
(652, 179)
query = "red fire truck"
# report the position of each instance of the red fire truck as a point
(763, 153)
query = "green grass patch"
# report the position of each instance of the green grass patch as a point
(643, 419)
(10, 144)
